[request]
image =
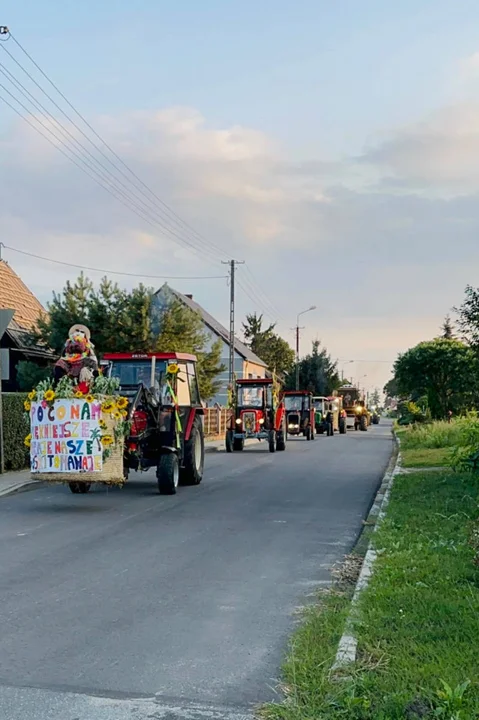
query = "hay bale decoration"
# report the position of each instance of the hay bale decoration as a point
(78, 424)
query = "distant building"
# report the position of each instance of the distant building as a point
(15, 345)
(246, 363)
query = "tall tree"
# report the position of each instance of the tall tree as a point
(443, 371)
(447, 328)
(318, 373)
(375, 398)
(268, 345)
(468, 316)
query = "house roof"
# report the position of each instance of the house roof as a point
(15, 295)
(216, 326)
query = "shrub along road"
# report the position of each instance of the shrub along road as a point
(124, 604)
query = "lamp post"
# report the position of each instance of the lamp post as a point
(313, 307)
(343, 363)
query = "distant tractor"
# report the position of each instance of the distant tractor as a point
(357, 414)
(298, 405)
(257, 414)
(334, 405)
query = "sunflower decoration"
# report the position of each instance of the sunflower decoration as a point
(107, 440)
(124, 414)
(32, 395)
(28, 440)
(108, 407)
(89, 398)
(117, 415)
(27, 405)
(173, 369)
(49, 395)
(122, 403)
(102, 424)
(78, 395)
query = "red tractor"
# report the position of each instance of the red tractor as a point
(257, 413)
(165, 412)
(298, 405)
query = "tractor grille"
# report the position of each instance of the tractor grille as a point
(293, 419)
(249, 421)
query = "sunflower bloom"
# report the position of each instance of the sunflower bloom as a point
(102, 425)
(124, 414)
(108, 407)
(122, 403)
(27, 405)
(49, 395)
(89, 398)
(117, 415)
(78, 394)
(173, 369)
(32, 395)
(107, 440)
(28, 440)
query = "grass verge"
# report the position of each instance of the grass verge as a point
(426, 457)
(418, 632)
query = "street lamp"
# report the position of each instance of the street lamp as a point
(342, 364)
(313, 307)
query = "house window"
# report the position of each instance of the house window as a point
(250, 376)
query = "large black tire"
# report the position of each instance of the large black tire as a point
(194, 459)
(342, 426)
(363, 423)
(280, 441)
(79, 487)
(272, 441)
(307, 433)
(229, 441)
(238, 444)
(168, 474)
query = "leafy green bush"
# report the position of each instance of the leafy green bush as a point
(461, 432)
(15, 429)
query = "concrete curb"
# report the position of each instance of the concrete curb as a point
(348, 644)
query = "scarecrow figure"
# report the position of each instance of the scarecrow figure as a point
(78, 361)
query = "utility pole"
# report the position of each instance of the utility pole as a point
(5, 317)
(232, 264)
(313, 307)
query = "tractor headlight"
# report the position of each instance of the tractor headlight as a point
(261, 421)
(358, 409)
(238, 421)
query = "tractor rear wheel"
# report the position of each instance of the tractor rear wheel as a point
(308, 433)
(280, 441)
(342, 426)
(238, 444)
(168, 473)
(363, 423)
(79, 487)
(229, 441)
(194, 458)
(272, 441)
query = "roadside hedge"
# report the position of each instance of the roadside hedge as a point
(15, 429)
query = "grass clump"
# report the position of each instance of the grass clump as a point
(459, 432)
(417, 625)
(426, 457)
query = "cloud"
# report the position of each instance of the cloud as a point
(435, 156)
(383, 261)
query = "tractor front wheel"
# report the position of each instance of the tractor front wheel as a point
(280, 441)
(229, 441)
(168, 473)
(79, 487)
(363, 423)
(308, 433)
(342, 426)
(194, 458)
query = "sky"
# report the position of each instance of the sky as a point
(331, 146)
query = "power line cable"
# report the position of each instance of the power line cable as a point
(113, 272)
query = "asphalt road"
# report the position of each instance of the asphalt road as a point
(124, 605)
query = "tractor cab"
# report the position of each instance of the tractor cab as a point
(256, 413)
(165, 414)
(299, 409)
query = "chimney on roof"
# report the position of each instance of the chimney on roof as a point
(190, 297)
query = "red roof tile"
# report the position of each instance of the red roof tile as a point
(15, 295)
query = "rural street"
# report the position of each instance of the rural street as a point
(124, 605)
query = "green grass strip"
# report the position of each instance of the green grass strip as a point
(418, 635)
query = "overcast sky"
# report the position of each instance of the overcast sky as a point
(332, 146)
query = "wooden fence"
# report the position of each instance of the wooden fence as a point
(215, 421)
